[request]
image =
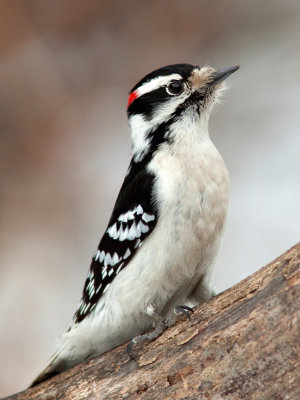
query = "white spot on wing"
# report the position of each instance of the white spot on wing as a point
(84, 309)
(102, 255)
(98, 288)
(127, 254)
(115, 259)
(112, 231)
(119, 268)
(91, 273)
(91, 292)
(133, 232)
(147, 217)
(139, 210)
(124, 234)
(143, 228)
(90, 285)
(107, 260)
(123, 218)
(130, 215)
(97, 255)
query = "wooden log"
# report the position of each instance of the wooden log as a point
(242, 344)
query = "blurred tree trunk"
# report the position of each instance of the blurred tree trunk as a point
(242, 344)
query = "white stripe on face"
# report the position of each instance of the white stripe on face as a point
(156, 83)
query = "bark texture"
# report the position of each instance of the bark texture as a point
(242, 344)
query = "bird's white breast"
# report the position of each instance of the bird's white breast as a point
(192, 196)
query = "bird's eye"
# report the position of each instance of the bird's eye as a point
(175, 88)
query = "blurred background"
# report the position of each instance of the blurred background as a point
(66, 67)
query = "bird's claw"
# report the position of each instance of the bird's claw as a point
(184, 310)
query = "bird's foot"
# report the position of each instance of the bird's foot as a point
(159, 325)
(184, 310)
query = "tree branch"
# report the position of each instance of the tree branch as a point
(242, 344)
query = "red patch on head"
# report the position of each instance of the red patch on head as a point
(131, 98)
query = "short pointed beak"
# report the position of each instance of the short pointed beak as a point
(222, 74)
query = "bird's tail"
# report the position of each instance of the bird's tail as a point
(73, 347)
(55, 366)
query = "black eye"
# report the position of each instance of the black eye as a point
(175, 87)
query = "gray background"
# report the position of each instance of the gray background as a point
(66, 67)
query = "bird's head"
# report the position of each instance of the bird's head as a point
(175, 95)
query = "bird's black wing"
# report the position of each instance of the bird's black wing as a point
(133, 219)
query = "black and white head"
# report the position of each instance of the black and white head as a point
(175, 96)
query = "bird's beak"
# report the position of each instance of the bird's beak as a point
(222, 74)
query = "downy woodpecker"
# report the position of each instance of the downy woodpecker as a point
(164, 233)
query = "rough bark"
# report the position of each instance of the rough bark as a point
(242, 344)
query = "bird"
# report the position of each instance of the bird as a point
(155, 258)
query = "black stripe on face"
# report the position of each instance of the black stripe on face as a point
(147, 103)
